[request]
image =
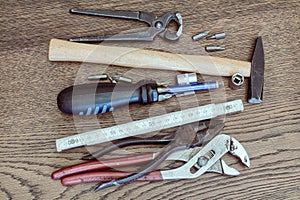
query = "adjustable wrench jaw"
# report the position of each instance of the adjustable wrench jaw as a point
(237, 149)
(208, 159)
(222, 168)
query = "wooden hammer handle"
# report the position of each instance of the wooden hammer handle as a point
(60, 50)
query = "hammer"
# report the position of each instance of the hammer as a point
(60, 50)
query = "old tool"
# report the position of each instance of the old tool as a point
(148, 125)
(158, 25)
(183, 139)
(206, 159)
(113, 79)
(210, 154)
(60, 50)
(257, 74)
(88, 172)
(217, 36)
(236, 81)
(102, 176)
(200, 35)
(212, 48)
(95, 98)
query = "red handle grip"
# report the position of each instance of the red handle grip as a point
(102, 165)
(107, 176)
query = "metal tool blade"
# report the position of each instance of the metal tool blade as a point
(257, 73)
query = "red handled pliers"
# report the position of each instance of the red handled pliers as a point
(206, 159)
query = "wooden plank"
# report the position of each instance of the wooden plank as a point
(31, 122)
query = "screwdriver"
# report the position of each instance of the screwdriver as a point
(102, 97)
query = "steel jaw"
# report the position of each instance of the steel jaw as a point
(208, 159)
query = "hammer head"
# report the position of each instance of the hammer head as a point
(257, 73)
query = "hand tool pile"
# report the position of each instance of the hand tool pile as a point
(199, 147)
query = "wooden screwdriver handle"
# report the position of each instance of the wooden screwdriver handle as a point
(60, 50)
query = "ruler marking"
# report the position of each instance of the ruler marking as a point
(149, 125)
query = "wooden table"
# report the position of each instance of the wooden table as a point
(31, 121)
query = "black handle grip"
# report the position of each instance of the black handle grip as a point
(102, 97)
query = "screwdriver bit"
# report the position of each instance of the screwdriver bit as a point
(217, 36)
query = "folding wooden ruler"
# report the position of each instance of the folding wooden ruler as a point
(148, 125)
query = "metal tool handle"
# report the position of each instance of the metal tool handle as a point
(147, 17)
(121, 144)
(97, 98)
(145, 36)
(108, 13)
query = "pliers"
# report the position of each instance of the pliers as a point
(157, 25)
(206, 159)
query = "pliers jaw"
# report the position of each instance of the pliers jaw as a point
(237, 149)
(162, 22)
(207, 157)
(222, 168)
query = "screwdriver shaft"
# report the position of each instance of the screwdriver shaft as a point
(193, 87)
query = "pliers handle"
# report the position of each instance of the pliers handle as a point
(104, 176)
(102, 165)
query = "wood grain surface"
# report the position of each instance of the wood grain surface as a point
(31, 121)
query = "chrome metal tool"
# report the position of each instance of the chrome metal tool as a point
(201, 159)
(236, 81)
(217, 36)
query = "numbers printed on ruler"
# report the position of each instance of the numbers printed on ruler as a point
(148, 125)
(72, 141)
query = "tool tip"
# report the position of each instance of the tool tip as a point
(88, 157)
(106, 185)
(254, 100)
(73, 40)
(211, 37)
(217, 36)
(246, 161)
(73, 10)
